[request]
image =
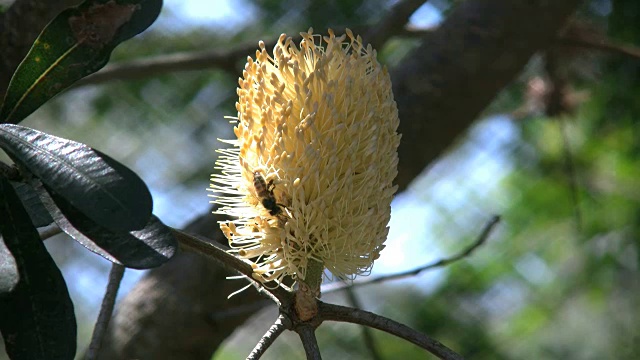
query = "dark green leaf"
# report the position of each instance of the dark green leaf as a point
(78, 42)
(36, 318)
(39, 215)
(106, 191)
(143, 249)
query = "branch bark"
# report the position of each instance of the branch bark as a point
(458, 69)
(345, 314)
(269, 338)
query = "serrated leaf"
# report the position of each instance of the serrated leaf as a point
(78, 42)
(106, 191)
(39, 215)
(143, 249)
(36, 318)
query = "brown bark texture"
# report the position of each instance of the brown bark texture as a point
(181, 310)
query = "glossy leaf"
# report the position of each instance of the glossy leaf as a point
(106, 191)
(39, 215)
(143, 249)
(36, 318)
(78, 42)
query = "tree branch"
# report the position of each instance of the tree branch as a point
(332, 312)
(307, 335)
(219, 254)
(106, 311)
(481, 239)
(602, 44)
(162, 64)
(228, 60)
(268, 339)
(456, 71)
(182, 294)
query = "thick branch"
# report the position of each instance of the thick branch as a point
(458, 69)
(184, 294)
(601, 44)
(345, 314)
(309, 342)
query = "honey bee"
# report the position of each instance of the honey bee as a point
(264, 191)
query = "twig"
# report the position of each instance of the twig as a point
(308, 337)
(269, 337)
(106, 311)
(367, 336)
(332, 312)
(440, 263)
(218, 253)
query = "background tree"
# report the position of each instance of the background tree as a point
(559, 279)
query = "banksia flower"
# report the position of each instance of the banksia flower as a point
(309, 177)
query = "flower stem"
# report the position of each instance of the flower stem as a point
(306, 296)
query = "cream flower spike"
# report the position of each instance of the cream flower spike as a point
(309, 177)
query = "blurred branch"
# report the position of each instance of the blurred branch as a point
(340, 313)
(599, 43)
(307, 335)
(163, 64)
(393, 23)
(267, 340)
(481, 239)
(444, 84)
(228, 59)
(106, 311)
(181, 294)
(588, 42)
